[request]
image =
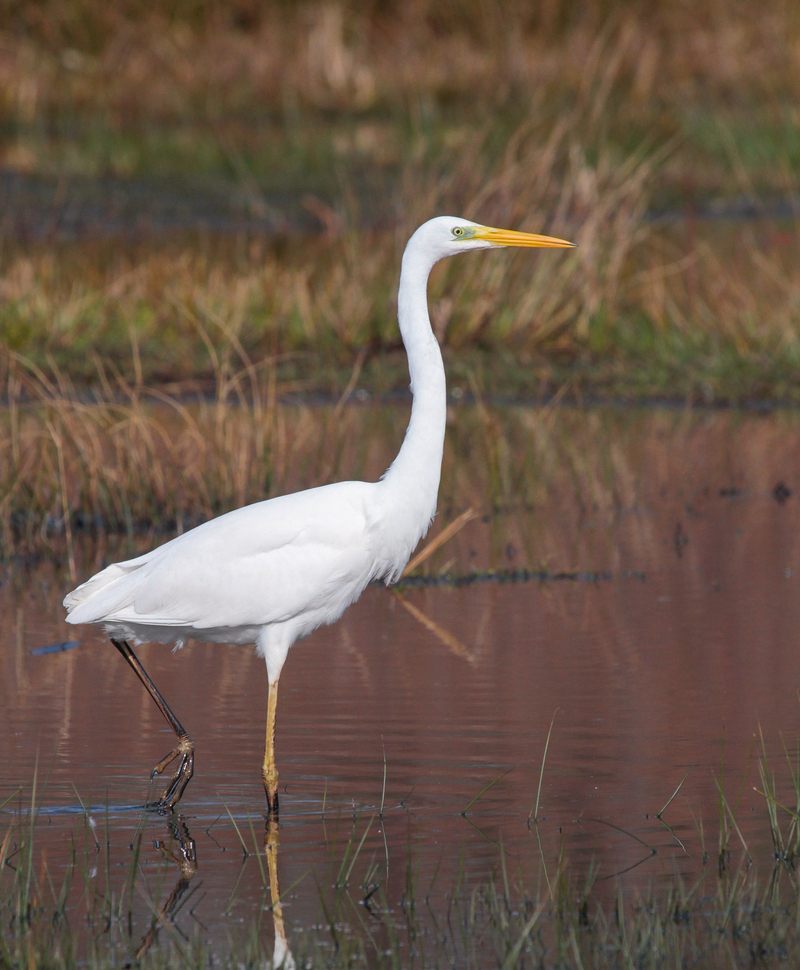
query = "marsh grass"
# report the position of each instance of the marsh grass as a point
(568, 119)
(784, 819)
(553, 490)
(144, 384)
(260, 92)
(591, 123)
(636, 310)
(84, 911)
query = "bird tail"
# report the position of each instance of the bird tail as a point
(94, 599)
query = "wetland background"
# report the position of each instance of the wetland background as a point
(203, 211)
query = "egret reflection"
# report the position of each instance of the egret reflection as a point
(281, 954)
(179, 847)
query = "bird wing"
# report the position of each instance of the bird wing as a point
(264, 563)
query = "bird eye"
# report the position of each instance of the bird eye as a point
(458, 231)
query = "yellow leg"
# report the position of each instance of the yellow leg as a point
(268, 770)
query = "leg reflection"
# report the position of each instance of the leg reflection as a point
(181, 849)
(281, 955)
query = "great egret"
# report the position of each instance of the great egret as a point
(272, 572)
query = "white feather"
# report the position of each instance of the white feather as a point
(272, 572)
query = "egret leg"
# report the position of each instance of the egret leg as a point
(184, 749)
(268, 770)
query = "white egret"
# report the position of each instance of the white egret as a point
(272, 572)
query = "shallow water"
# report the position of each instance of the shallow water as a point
(671, 649)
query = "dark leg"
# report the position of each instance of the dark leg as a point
(184, 748)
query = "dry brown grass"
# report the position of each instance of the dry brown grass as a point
(652, 70)
(131, 454)
(129, 460)
(141, 59)
(636, 309)
(337, 294)
(633, 310)
(554, 488)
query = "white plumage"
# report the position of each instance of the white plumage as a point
(262, 574)
(272, 572)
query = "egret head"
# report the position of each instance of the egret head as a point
(448, 235)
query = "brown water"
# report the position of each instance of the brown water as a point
(672, 648)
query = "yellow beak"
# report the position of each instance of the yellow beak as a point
(508, 237)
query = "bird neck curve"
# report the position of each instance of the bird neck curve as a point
(413, 478)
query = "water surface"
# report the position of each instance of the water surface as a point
(661, 646)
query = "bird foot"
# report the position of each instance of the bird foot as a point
(180, 779)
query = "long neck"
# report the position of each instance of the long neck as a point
(414, 475)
